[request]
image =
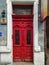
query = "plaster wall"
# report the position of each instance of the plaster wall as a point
(41, 35)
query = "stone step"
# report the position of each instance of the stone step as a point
(22, 63)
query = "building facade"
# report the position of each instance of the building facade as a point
(7, 31)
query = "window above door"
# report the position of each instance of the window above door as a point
(22, 9)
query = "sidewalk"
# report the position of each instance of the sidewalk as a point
(22, 63)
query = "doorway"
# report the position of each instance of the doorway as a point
(22, 20)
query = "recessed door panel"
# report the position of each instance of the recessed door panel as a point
(17, 45)
(28, 42)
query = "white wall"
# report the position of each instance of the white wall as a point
(36, 45)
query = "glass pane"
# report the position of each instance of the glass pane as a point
(3, 23)
(17, 37)
(3, 11)
(3, 34)
(28, 37)
(22, 11)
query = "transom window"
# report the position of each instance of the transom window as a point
(22, 11)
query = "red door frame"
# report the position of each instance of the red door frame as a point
(21, 18)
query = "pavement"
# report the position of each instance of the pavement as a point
(22, 63)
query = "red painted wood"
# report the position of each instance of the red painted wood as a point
(23, 51)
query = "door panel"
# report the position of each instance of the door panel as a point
(17, 45)
(23, 41)
(28, 43)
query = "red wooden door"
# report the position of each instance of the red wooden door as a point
(28, 41)
(22, 37)
(17, 42)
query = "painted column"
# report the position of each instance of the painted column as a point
(36, 45)
(9, 27)
(39, 58)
